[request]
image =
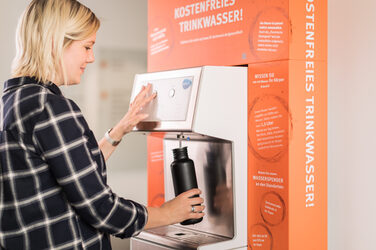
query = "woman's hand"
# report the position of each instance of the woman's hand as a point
(133, 116)
(129, 121)
(177, 210)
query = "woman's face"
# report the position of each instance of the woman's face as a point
(76, 57)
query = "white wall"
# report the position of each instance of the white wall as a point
(123, 23)
(352, 99)
(123, 26)
(352, 124)
(9, 13)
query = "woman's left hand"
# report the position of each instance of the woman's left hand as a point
(129, 121)
(133, 116)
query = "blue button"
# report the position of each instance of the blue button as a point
(187, 83)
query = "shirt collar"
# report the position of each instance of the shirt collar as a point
(19, 81)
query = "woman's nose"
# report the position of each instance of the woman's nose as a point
(91, 57)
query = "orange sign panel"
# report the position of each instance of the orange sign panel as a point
(287, 158)
(190, 33)
(155, 166)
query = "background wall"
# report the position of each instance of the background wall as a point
(352, 98)
(352, 123)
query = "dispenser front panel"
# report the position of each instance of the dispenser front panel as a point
(172, 100)
(173, 107)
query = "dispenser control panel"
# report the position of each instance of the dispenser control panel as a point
(172, 100)
(174, 104)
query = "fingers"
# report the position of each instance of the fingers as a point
(133, 116)
(184, 206)
(197, 209)
(193, 196)
(151, 97)
(141, 99)
(191, 192)
(144, 90)
(196, 201)
(196, 212)
(196, 215)
(141, 95)
(146, 100)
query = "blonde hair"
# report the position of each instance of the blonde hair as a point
(44, 30)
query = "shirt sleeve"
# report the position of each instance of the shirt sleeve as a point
(66, 144)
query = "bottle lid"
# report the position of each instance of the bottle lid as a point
(180, 153)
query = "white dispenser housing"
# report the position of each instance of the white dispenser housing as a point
(206, 108)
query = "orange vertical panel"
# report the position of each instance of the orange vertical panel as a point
(155, 169)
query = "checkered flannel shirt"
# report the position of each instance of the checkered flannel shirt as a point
(53, 191)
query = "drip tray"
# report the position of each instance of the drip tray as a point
(177, 237)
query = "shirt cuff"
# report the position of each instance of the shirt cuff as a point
(142, 225)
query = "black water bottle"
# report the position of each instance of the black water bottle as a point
(184, 176)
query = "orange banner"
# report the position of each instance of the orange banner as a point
(287, 155)
(155, 169)
(192, 33)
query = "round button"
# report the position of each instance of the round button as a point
(171, 93)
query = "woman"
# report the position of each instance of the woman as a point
(53, 191)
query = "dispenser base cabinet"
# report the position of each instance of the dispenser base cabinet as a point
(194, 108)
(139, 244)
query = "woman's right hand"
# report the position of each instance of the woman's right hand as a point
(177, 210)
(180, 208)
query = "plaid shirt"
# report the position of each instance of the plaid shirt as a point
(53, 191)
